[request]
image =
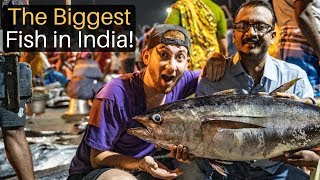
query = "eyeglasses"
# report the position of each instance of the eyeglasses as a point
(258, 27)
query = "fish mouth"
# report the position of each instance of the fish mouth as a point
(143, 130)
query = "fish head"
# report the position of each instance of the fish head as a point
(162, 128)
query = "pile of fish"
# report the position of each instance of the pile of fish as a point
(232, 127)
(51, 152)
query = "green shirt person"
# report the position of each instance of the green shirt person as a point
(206, 23)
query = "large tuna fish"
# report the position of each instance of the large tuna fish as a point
(232, 127)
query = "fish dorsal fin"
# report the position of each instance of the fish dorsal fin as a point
(225, 92)
(284, 87)
(227, 124)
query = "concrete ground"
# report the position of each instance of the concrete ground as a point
(51, 120)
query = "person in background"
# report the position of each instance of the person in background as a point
(299, 22)
(86, 79)
(38, 62)
(54, 59)
(52, 76)
(68, 61)
(206, 23)
(12, 126)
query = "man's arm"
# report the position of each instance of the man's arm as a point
(223, 45)
(100, 159)
(308, 100)
(307, 24)
(303, 158)
(221, 33)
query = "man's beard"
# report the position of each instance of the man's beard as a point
(259, 50)
(254, 53)
(249, 54)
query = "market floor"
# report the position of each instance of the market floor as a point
(51, 121)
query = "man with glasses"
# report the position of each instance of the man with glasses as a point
(250, 71)
(107, 150)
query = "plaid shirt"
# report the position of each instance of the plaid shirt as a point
(291, 38)
(294, 48)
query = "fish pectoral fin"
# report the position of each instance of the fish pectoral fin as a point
(218, 167)
(284, 87)
(227, 124)
(225, 92)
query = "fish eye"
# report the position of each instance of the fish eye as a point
(156, 118)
